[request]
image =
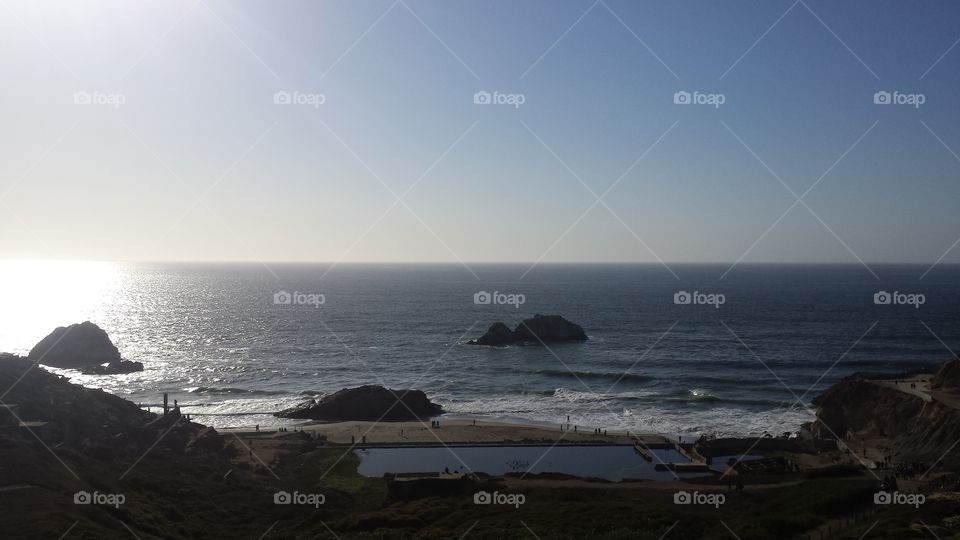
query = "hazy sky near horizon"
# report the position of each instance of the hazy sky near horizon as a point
(185, 154)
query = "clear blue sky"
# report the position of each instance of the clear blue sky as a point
(278, 182)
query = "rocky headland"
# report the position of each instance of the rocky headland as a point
(912, 416)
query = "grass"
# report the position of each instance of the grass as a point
(336, 469)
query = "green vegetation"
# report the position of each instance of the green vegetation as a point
(363, 508)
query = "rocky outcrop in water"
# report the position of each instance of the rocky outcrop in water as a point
(537, 329)
(114, 368)
(367, 403)
(83, 346)
(497, 334)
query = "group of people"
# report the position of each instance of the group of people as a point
(889, 483)
(596, 431)
(279, 429)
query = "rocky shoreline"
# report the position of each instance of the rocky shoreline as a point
(180, 479)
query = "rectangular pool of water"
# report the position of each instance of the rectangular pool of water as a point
(607, 462)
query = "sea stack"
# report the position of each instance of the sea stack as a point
(537, 329)
(83, 346)
(367, 403)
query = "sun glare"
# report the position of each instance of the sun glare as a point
(39, 295)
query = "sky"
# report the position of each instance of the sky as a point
(349, 131)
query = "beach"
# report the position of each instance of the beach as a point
(464, 431)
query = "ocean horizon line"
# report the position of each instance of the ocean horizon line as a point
(486, 263)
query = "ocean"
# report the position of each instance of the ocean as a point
(680, 354)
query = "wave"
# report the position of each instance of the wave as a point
(227, 390)
(619, 414)
(228, 414)
(740, 364)
(717, 400)
(593, 375)
(576, 396)
(692, 397)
